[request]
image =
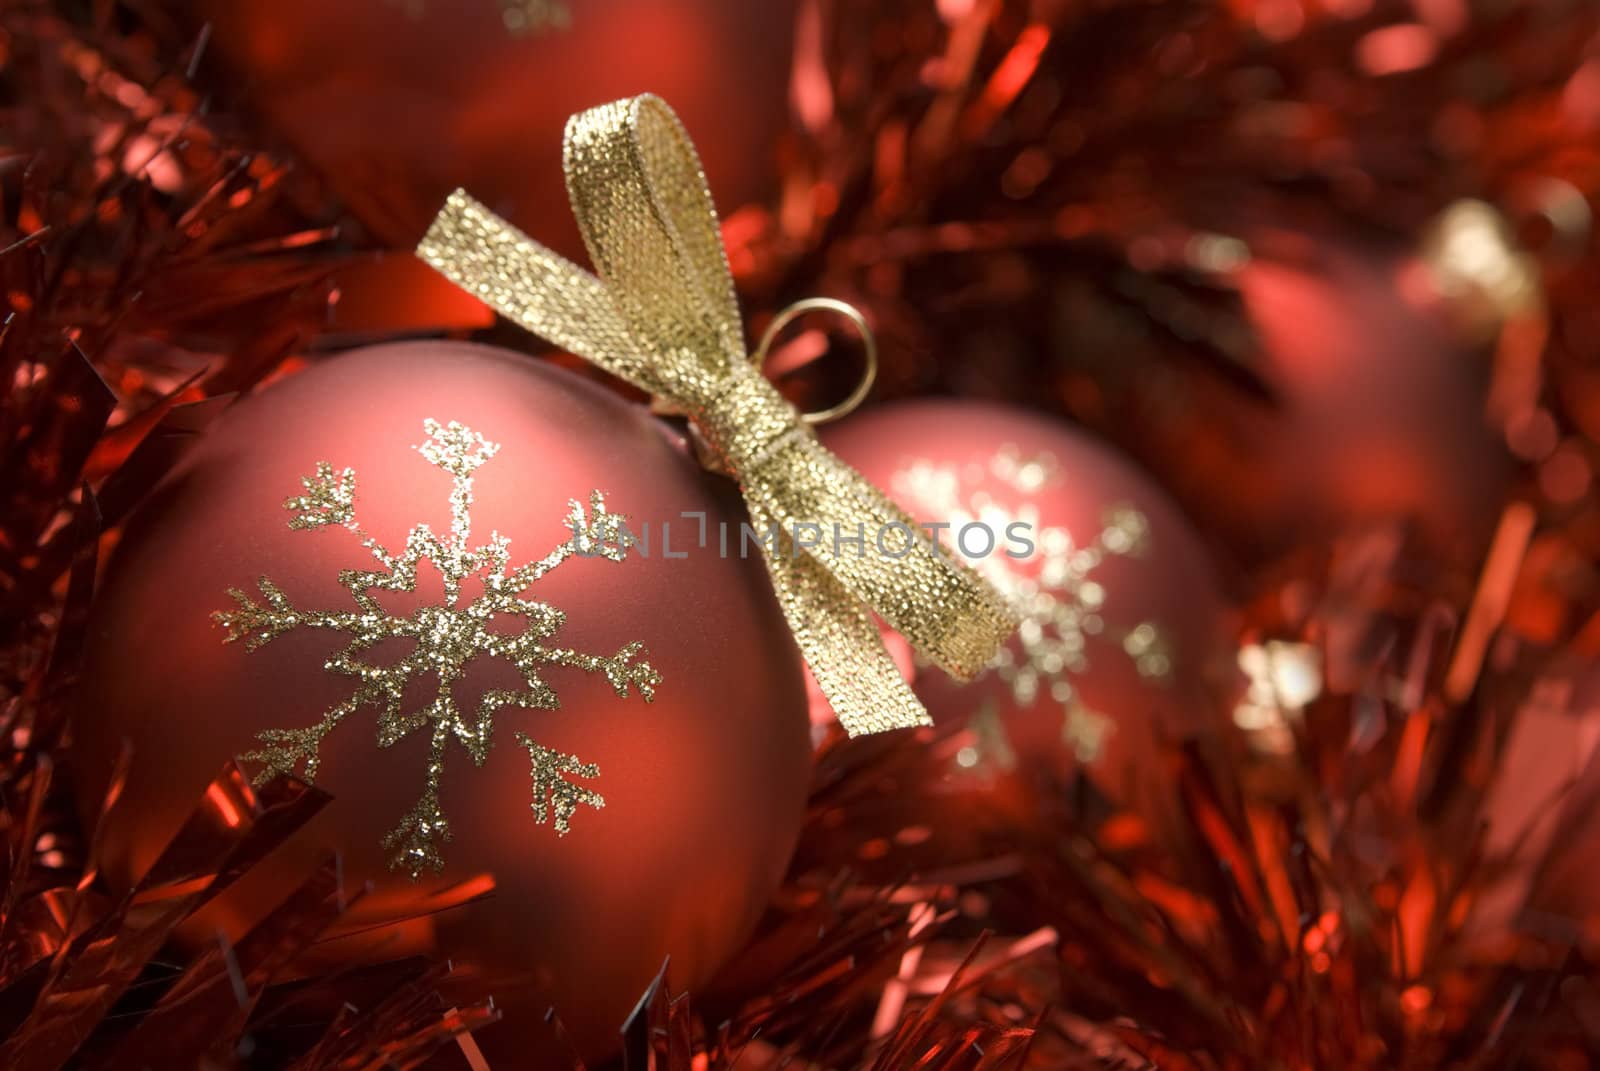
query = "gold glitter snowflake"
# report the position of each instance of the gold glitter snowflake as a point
(447, 637)
(1060, 601)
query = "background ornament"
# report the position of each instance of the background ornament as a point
(1124, 632)
(394, 103)
(1051, 586)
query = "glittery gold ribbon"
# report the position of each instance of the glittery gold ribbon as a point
(662, 315)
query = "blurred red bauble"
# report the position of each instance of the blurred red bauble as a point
(398, 102)
(617, 831)
(1380, 406)
(1124, 629)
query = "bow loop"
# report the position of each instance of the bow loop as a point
(647, 219)
(663, 316)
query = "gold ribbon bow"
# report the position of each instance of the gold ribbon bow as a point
(662, 315)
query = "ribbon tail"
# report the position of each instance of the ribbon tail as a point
(839, 640)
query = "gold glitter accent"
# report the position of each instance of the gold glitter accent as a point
(533, 16)
(1472, 253)
(989, 740)
(1284, 678)
(1085, 732)
(519, 16)
(662, 315)
(1061, 603)
(448, 637)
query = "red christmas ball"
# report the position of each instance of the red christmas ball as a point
(398, 102)
(405, 547)
(1382, 403)
(1123, 626)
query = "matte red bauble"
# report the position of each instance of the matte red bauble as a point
(1123, 630)
(435, 617)
(1377, 407)
(1381, 405)
(398, 102)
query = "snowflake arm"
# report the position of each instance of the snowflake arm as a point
(396, 723)
(416, 840)
(330, 498)
(297, 752)
(456, 448)
(596, 533)
(620, 669)
(553, 792)
(475, 737)
(399, 573)
(259, 625)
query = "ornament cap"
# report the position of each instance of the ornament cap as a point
(869, 373)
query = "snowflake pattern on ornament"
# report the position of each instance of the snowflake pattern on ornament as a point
(448, 637)
(1060, 602)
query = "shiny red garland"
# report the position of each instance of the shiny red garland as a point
(1326, 897)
